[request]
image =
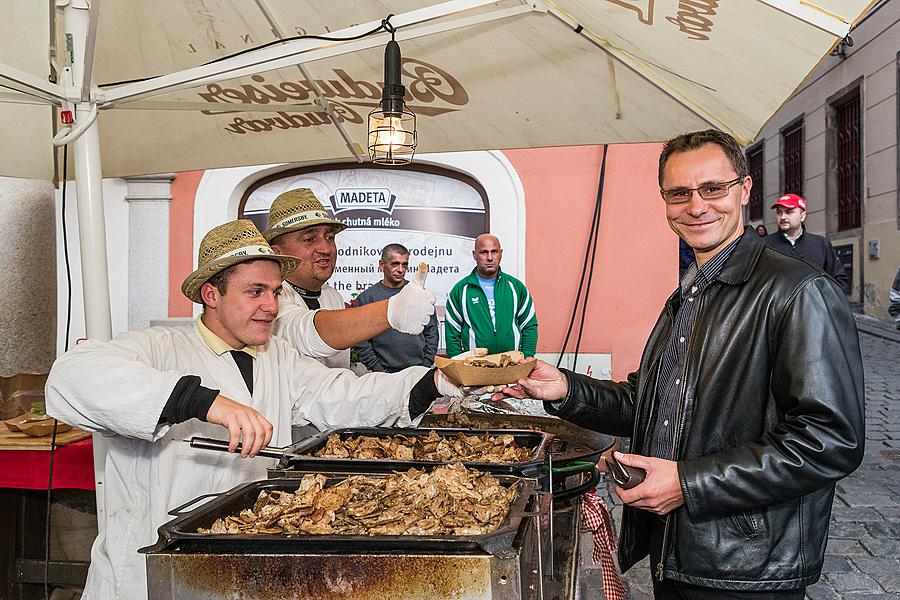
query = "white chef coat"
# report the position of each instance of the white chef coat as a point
(295, 324)
(121, 387)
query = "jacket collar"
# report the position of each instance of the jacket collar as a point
(736, 270)
(472, 278)
(740, 265)
(796, 241)
(217, 344)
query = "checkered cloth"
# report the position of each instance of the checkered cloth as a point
(595, 520)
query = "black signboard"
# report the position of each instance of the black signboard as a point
(845, 255)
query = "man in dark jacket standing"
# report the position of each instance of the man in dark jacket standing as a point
(393, 351)
(793, 239)
(747, 406)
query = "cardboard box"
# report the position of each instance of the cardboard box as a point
(461, 373)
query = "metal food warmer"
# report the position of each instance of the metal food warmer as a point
(532, 555)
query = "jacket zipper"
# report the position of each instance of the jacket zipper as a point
(679, 419)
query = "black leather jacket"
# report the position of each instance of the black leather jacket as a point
(770, 418)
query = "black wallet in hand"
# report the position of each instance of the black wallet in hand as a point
(625, 477)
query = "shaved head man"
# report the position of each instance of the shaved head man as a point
(488, 308)
(487, 255)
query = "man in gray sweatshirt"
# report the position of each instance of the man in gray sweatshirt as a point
(393, 351)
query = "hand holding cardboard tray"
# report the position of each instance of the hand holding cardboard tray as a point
(462, 372)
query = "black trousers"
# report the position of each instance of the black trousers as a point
(669, 589)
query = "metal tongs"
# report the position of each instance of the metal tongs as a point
(222, 446)
(625, 477)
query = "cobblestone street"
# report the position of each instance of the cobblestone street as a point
(862, 559)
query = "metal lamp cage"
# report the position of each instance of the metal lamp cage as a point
(392, 137)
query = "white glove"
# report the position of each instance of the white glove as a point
(410, 310)
(446, 388)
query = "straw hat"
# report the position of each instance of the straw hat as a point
(229, 244)
(297, 209)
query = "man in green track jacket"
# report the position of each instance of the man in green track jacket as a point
(488, 308)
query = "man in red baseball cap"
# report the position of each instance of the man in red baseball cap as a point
(792, 239)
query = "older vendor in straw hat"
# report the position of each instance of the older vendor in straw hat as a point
(299, 226)
(149, 390)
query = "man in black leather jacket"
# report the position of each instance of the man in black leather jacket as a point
(747, 406)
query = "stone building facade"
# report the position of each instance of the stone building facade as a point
(835, 143)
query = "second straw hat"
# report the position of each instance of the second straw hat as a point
(297, 209)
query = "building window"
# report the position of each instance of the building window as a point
(792, 155)
(849, 151)
(755, 167)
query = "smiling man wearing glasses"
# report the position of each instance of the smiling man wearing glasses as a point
(747, 405)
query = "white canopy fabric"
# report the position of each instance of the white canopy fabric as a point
(507, 74)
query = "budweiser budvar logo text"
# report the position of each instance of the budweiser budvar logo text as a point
(430, 91)
(692, 17)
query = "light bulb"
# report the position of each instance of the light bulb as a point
(387, 132)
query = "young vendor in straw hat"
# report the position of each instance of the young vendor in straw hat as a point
(222, 376)
(299, 226)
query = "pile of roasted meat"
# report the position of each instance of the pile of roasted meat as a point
(450, 500)
(507, 359)
(433, 447)
(480, 358)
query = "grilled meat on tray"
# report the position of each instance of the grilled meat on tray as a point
(449, 500)
(433, 447)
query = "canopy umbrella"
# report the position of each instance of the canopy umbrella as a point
(479, 74)
(156, 86)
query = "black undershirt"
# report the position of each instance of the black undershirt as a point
(310, 297)
(190, 400)
(422, 395)
(245, 366)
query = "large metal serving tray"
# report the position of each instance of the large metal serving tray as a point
(570, 443)
(180, 534)
(508, 564)
(299, 458)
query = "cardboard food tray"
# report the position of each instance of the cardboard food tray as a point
(22, 441)
(462, 374)
(34, 425)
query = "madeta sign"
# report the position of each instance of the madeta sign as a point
(437, 217)
(362, 198)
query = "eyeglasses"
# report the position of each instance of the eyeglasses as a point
(714, 190)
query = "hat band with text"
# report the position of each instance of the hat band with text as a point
(299, 218)
(256, 250)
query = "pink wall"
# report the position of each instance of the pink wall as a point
(181, 239)
(637, 258)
